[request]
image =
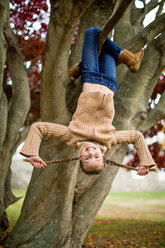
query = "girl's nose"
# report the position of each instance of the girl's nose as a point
(91, 153)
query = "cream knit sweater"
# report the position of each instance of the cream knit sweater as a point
(92, 121)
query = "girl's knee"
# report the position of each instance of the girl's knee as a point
(92, 30)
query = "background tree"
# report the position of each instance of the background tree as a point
(50, 216)
(19, 44)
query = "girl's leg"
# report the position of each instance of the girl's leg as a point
(111, 48)
(90, 61)
(107, 65)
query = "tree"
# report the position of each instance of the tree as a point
(51, 216)
(15, 117)
(13, 111)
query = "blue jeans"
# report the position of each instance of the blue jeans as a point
(100, 70)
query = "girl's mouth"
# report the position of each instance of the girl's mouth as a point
(90, 148)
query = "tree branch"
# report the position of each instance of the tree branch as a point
(151, 5)
(4, 17)
(65, 13)
(143, 82)
(112, 22)
(146, 35)
(9, 197)
(3, 118)
(20, 101)
(160, 10)
(154, 115)
(156, 52)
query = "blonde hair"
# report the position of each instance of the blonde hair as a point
(94, 171)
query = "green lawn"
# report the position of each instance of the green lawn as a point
(13, 211)
(119, 233)
(128, 219)
(134, 205)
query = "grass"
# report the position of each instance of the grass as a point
(119, 233)
(13, 211)
(124, 196)
(129, 219)
(134, 205)
(126, 219)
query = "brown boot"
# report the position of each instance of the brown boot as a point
(130, 59)
(73, 73)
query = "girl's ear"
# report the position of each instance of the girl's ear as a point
(103, 152)
(79, 157)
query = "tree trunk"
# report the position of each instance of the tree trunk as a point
(53, 215)
(13, 112)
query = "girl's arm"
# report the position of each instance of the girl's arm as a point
(137, 139)
(36, 133)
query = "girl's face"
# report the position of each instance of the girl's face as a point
(92, 156)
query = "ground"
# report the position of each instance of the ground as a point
(129, 220)
(134, 219)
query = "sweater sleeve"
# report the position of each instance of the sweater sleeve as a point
(137, 139)
(36, 133)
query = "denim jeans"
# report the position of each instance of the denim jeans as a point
(100, 70)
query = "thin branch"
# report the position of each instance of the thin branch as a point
(146, 35)
(154, 115)
(146, 78)
(161, 6)
(3, 117)
(3, 99)
(112, 22)
(151, 5)
(156, 52)
(9, 197)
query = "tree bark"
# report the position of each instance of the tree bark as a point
(13, 113)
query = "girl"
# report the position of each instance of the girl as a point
(91, 130)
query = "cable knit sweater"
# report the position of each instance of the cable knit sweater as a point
(92, 121)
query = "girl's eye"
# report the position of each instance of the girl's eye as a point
(86, 158)
(96, 156)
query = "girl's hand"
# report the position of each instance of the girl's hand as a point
(143, 170)
(37, 162)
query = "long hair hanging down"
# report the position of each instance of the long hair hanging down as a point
(61, 160)
(109, 162)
